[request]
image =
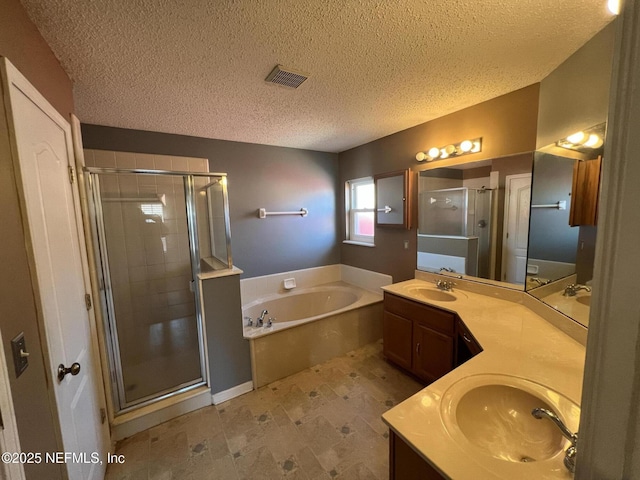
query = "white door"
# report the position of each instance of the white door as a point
(44, 150)
(516, 228)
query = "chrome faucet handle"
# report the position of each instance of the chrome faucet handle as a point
(249, 321)
(270, 322)
(571, 452)
(573, 288)
(260, 320)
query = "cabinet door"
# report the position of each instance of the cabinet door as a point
(433, 353)
(584, 192)
(396, 339)
(393, 199)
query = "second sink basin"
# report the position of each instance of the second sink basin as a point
(491, 413)
(433, 294)
(497, 419)
(584, 300)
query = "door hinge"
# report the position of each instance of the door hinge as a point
(72, 175)
(103, 415)
(87, 301)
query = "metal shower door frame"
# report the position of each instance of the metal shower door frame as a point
(107, 303)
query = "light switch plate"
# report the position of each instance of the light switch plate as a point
(20, 361)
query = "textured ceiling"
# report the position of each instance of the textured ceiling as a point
(197, 67)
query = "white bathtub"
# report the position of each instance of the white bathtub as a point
(296, 307)
(310, 326)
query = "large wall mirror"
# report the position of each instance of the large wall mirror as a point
(473, 219)
(563, 223)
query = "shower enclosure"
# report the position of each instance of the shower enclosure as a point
(155, 231)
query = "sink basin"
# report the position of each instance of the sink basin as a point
(433, 294)
(490, 414)
(498, 420)
(585, 300)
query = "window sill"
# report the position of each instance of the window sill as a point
(362, 244)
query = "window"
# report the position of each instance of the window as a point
(360, 202)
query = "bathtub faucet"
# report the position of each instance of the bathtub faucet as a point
(260, 320)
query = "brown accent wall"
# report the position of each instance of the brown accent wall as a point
(507, 125)
(22, 44)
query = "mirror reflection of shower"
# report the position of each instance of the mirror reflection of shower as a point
(455, 230)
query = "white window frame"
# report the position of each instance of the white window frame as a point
(349, 189)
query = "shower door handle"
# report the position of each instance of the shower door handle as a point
(73, 370)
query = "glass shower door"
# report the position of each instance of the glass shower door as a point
(149, 284)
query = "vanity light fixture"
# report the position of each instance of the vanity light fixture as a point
(591, 138)
(452, 150)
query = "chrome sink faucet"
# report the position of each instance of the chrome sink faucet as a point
(572, 289)
(445, 285)
(260, 319)
(571, 452)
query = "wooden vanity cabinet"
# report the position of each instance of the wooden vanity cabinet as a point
(406, 464)
(428, 342)
(418, 338)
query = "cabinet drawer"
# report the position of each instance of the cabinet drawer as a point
(465, 336)
(426, 315)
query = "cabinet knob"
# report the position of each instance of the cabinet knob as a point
(466, 339)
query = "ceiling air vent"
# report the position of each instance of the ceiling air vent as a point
(286, 77)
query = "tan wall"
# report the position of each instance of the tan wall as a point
(507, 125)
(575, 95)
(21, 43)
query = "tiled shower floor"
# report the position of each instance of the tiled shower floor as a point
(322, 423)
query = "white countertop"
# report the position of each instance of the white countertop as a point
(515, 342)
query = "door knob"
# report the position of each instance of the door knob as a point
(73, 370)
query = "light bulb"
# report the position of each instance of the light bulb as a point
(420, 156)
(577, 138)
(614, 6)
(434, 152)
(450, 149)
(594, 141)
(466, 146)
(476, 146)
(443, 153)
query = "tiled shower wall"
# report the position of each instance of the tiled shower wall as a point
(148, 252)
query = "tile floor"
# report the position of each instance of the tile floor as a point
(321, 423)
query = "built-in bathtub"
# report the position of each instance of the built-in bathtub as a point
(310, 325)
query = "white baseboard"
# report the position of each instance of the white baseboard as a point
(233, 392)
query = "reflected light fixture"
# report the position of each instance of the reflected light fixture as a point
(614, 6)
(591, 138)
(451, 150)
